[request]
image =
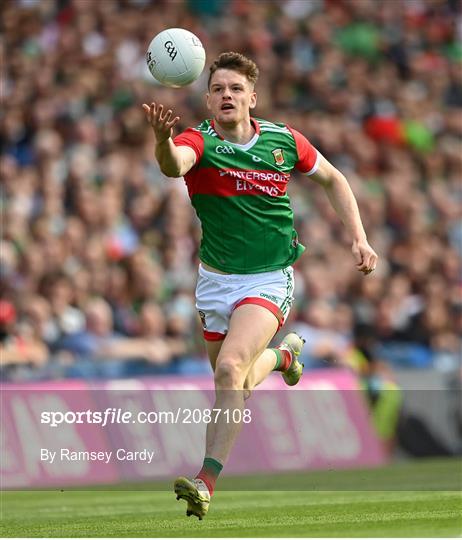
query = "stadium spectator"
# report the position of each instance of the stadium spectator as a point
(94, 349)
(324, 342)
(96, 338)
(19, 344)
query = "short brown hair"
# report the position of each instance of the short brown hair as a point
(237, 62)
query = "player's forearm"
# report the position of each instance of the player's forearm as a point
(344, 203)
(169, 158)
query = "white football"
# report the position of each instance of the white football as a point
(175, 57)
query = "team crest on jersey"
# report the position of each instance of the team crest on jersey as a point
(278, 155)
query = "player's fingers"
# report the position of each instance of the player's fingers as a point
(363, 265)
(371, 260)
(357, 254)
(370, 263)
(152, 112)
(167, 116)
(367, 260)
(149, 109)
(159, 111)
(173, 122)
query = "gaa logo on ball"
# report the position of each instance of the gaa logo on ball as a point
(175, 57)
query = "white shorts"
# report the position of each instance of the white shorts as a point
(218, 295)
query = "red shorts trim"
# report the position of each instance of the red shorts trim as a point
(213, 336)
(266, 304)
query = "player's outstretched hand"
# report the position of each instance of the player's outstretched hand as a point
(365, 256)
(161, 123)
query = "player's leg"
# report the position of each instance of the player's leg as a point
(277, 295)
(283, 358)
(261, 368)
(195, 492)
(265, 305)
(250, 330)
(213, 349)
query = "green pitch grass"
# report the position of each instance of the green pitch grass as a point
(420, 499)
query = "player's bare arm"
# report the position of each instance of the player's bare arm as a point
(342, 199)
(174, 161)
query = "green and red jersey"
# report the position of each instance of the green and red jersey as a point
(239, 192)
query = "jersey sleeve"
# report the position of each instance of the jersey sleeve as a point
(308, 156)
(192, 138)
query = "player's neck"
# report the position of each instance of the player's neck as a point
(241, 133)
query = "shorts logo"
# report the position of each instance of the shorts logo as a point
(202, 316)
(224, 150)
(278, 155)
(269, 297)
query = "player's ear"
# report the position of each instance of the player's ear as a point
(253, 100)
(207, 98)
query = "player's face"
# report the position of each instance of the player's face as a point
(230, 97)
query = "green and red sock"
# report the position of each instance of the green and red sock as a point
(283, 359)
(210, 472)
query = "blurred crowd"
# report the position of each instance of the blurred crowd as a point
(99, 250)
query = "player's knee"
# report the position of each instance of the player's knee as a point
(228, 375)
